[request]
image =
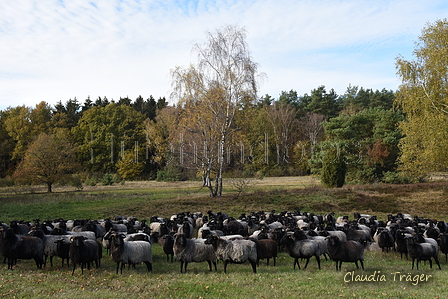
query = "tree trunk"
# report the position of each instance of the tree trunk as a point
(49, 185)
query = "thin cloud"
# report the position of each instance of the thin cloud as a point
(55, 50)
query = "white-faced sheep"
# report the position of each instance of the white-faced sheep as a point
(303, 248)
(422, 252)
(345, 251)
(84, 252)
(22, 247)
(192, 250)
(130, 252)
(234, 251)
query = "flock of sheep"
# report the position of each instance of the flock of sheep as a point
(253, 237)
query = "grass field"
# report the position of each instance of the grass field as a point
(392, 277)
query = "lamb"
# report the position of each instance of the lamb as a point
(22, 247)
(422, 252)
(130, 252)
(192, 250)
(84, 251)
(234, 251)
(266, 249)
(301, 248)
(345, 251)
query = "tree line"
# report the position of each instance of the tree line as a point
(219, 127)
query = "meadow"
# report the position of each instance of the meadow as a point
(389, 276)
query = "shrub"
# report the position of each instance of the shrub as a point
(334, 169)
(91, 181)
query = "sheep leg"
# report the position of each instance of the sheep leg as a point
(118, 265)
(214, 263)
(74, 267)
(254, 266)
(148, 265)
(225, 266)
(430, 263)
(210, 265)
(437, 261)
(275, 261)
(306, 264)
(318, 260)
(296, 261)
(362, 265)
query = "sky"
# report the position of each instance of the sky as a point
(56, 50)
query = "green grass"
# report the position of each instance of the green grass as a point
(166, 281)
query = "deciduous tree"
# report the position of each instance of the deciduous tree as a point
(224, 75)
(423, 96)
(48, 160)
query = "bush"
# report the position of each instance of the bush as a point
(76, 182)
(110, 179)
(334, 169)
(168, 174)
(391, 177)
(91, 181)
(6, 182)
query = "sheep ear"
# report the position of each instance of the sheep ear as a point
(72, 238)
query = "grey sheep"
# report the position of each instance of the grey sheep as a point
(234, 251)
(345, 251)
(192, 250)
(130, 252)
(301, 248)
(50, 244)
(422, 252)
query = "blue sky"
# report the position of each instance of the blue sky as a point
(54, 50)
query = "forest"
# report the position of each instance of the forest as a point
(220, 127)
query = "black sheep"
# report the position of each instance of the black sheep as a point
(22, 247)
(63, 251)
(345, 251)
(386, 240)
(84, 251)
(444, 245)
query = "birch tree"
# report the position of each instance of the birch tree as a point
(423, 96)
(213, 88)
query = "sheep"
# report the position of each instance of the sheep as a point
(63, 251)
(345, 251)
(301, 248)
(444, 245)
(22, 247)
(192, 250)
(186, 228)
(338, 233)
(422, 252)
(50, 244)
(385, 240)
(400, 242)
(84, 251)
(234, 251)
(167, 243)
(130, 252)
(266, 249)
